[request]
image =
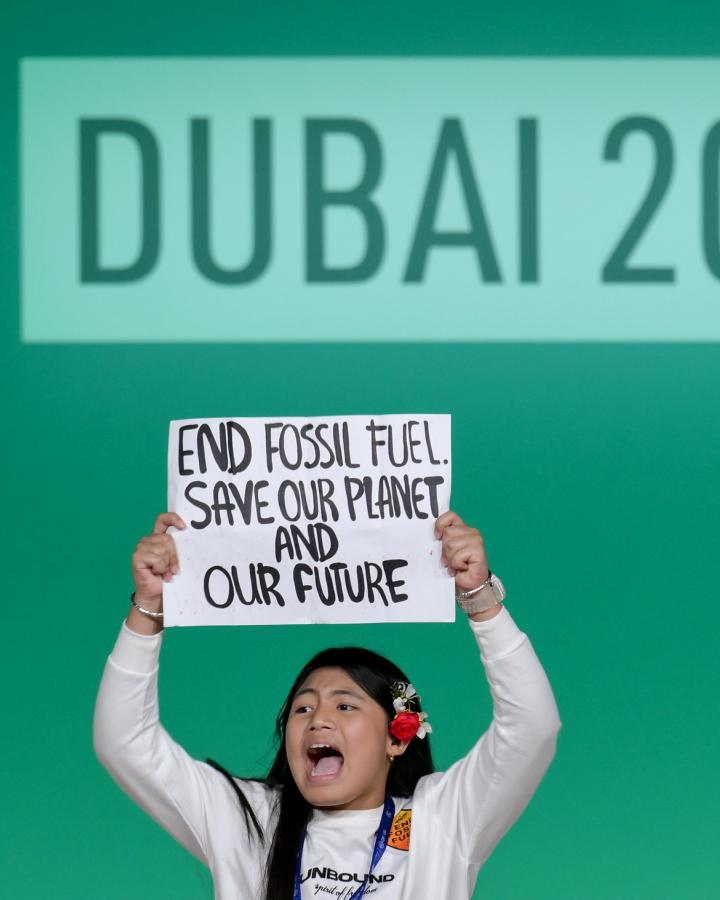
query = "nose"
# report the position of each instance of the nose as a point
(321, 719)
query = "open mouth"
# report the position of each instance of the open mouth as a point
(324, 761)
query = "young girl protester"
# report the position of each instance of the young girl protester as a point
(351, 806)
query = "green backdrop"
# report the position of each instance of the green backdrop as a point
(591, 469)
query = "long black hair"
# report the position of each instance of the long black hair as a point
(375, 675)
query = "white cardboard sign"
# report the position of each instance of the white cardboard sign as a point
(294, 520)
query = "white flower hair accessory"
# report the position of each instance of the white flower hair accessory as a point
(407, 722)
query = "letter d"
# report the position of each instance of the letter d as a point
(90, 268)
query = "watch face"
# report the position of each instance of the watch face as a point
(484, 599)
(498, 588)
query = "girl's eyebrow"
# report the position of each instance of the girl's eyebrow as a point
(333, 693)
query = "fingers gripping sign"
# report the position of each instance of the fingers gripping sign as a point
(463, 551)
(155, 559)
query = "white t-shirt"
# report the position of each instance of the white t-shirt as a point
(338, 850)
(458, 816)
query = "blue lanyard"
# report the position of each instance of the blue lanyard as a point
(386, 820)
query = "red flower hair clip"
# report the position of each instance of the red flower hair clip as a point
(407, 723)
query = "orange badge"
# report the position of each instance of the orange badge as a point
(400, 832)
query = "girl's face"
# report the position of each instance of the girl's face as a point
(337, 742)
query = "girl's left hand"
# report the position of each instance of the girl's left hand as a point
(463, 551)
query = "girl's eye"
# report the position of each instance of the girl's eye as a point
(301, 709)
(346, 707)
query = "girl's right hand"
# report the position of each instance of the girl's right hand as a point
(155, 561)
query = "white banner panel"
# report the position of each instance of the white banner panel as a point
(309, 520)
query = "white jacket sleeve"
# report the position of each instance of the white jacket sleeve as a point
(478, 799)
(172, 787)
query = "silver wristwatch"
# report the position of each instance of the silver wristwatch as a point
(484, 596)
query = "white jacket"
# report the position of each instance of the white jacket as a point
(458, 815)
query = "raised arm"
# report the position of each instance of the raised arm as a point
(172, 787)
(479, 798)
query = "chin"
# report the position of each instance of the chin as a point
(325, 795)
(337, 796)
(328, 803)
